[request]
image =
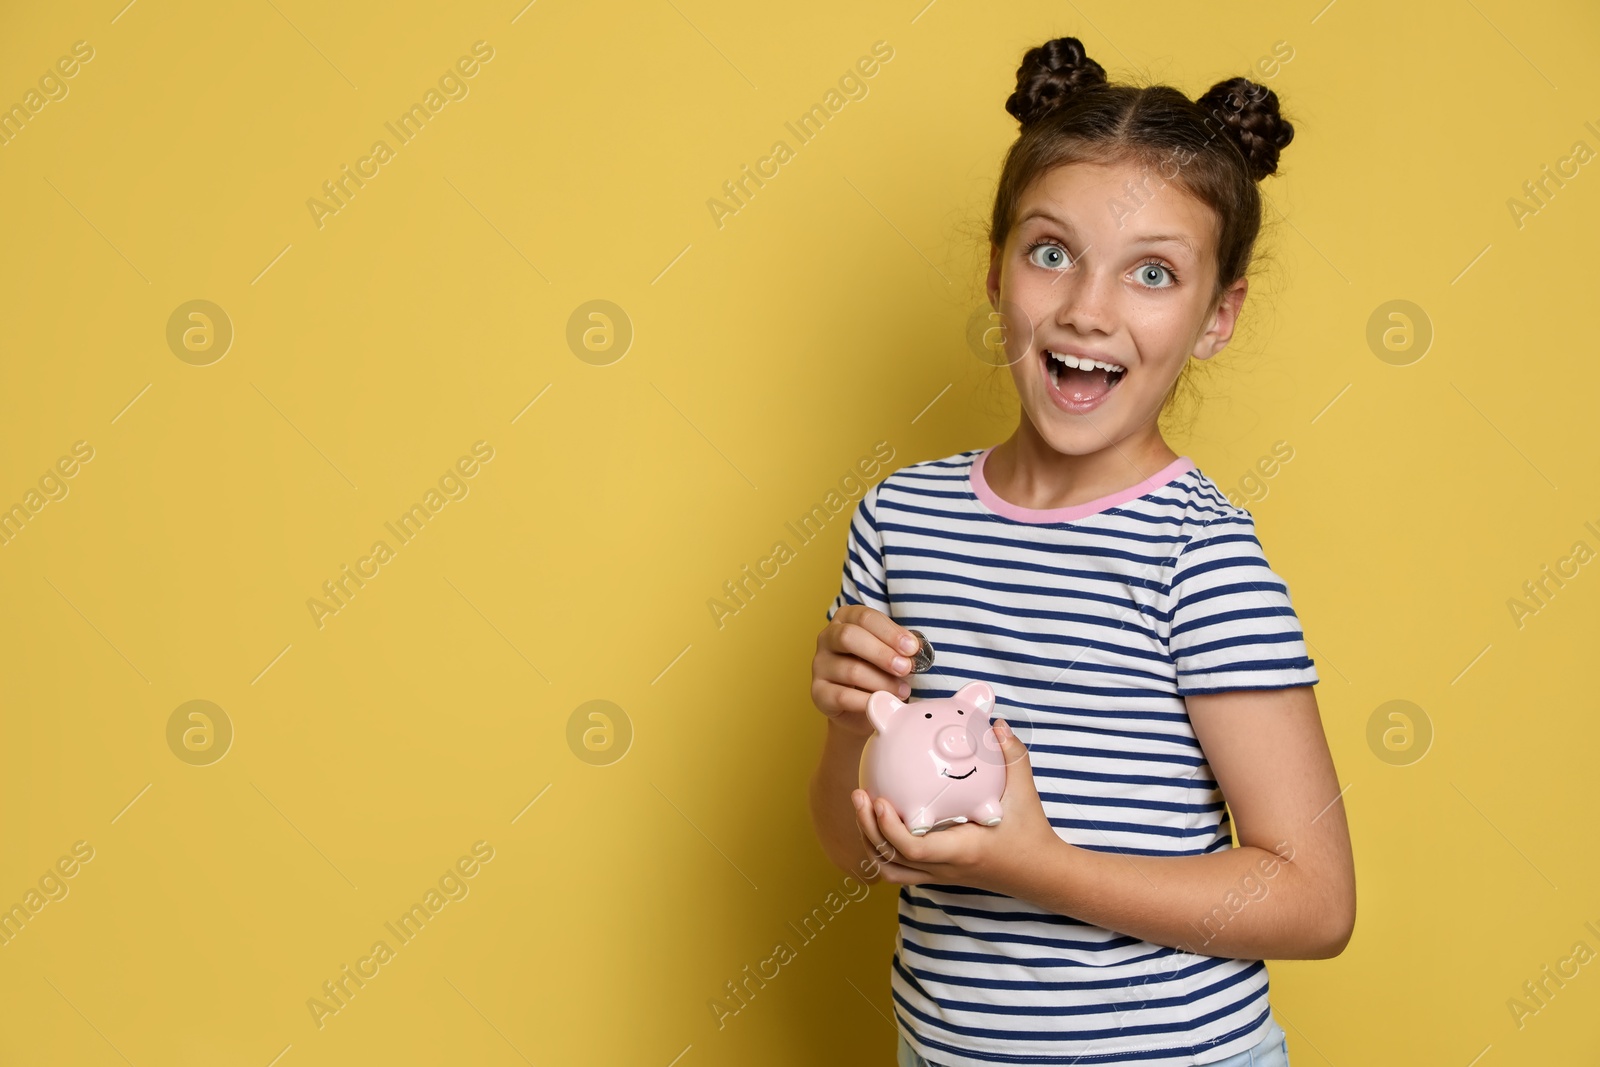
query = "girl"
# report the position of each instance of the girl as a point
(1125, 615)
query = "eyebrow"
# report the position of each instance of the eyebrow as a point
(1169, 238)
(1181, 239)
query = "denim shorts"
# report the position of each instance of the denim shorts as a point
(1271, 1051)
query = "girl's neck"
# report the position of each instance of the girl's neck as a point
(1026, 471)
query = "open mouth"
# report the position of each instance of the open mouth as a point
(1078, 383)
(958, 777)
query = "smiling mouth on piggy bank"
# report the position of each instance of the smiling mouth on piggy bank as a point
(946, 772)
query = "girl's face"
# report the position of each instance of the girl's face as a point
(1107, 263)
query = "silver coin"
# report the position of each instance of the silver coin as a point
(922, 662)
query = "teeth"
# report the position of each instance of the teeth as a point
(1075, 361)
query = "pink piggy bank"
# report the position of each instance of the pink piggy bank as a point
(937, 761)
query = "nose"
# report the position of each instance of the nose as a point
(953, 742)
(1085, 298)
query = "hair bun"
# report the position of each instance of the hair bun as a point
(1049, 75)
(1248, 112)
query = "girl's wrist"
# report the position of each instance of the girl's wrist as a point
(841, 734)
(1045, 875)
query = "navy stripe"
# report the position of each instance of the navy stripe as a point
(1174, 1022)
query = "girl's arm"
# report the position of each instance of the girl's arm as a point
(832, 814)
(860, 651)
(1286, 892)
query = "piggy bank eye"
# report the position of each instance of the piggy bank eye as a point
(927, 715)
(960, 712)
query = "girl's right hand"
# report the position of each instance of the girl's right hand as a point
(859, 652)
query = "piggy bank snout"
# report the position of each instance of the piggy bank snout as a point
(954, 742)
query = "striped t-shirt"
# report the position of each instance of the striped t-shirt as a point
(1091, 623)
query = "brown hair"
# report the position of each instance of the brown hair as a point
(1215, 148)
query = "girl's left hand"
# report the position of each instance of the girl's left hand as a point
(996, 858)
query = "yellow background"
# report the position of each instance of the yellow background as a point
(768, 356)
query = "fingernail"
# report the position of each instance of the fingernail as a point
(900, 664)
(908, 644)
(904, 690)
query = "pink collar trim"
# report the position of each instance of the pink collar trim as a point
(981, 489)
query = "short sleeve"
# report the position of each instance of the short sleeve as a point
(863, 579)
(1232, 624)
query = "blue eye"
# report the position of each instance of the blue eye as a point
(1151, 273)
(1056, 262)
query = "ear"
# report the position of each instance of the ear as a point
(881, 707)
(1223, 319)
(992, 283)
(978, 694)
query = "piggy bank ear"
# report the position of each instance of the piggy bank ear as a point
(978, 694)
(881, 707)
